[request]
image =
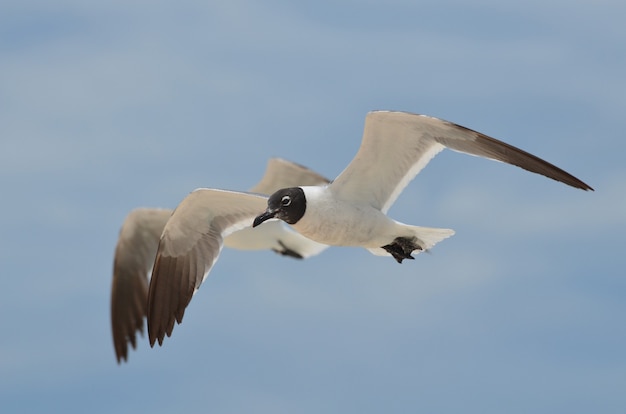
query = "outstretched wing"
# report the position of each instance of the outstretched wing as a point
(397, 145)
(134, 255)
(190, 245)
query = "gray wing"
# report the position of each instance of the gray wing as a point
(281, 173)
(134, 255)
(397, 145)
(190, 245)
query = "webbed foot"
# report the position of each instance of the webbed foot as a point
(402, 247)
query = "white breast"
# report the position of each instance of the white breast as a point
(336, 222)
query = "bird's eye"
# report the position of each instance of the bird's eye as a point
(285, 201)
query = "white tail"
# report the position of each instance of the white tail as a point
(428, 236)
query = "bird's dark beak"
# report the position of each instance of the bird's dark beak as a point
(268, 214)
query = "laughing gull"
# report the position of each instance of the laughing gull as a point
(350, 211)
(136, 247)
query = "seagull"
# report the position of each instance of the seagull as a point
(139, 236)
(349, 211)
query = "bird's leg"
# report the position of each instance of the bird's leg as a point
(401, 248)
(287, 251)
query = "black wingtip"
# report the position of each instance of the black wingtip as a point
(566, 178)
(576, 183)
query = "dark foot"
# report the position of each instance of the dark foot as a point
(402, 247)
(286, 251)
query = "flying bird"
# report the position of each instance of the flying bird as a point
(350, 211)
(139, 236)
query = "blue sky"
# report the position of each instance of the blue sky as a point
(111, 106)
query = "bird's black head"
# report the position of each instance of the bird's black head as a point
(287, 204)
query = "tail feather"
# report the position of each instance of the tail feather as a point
(427, 237)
